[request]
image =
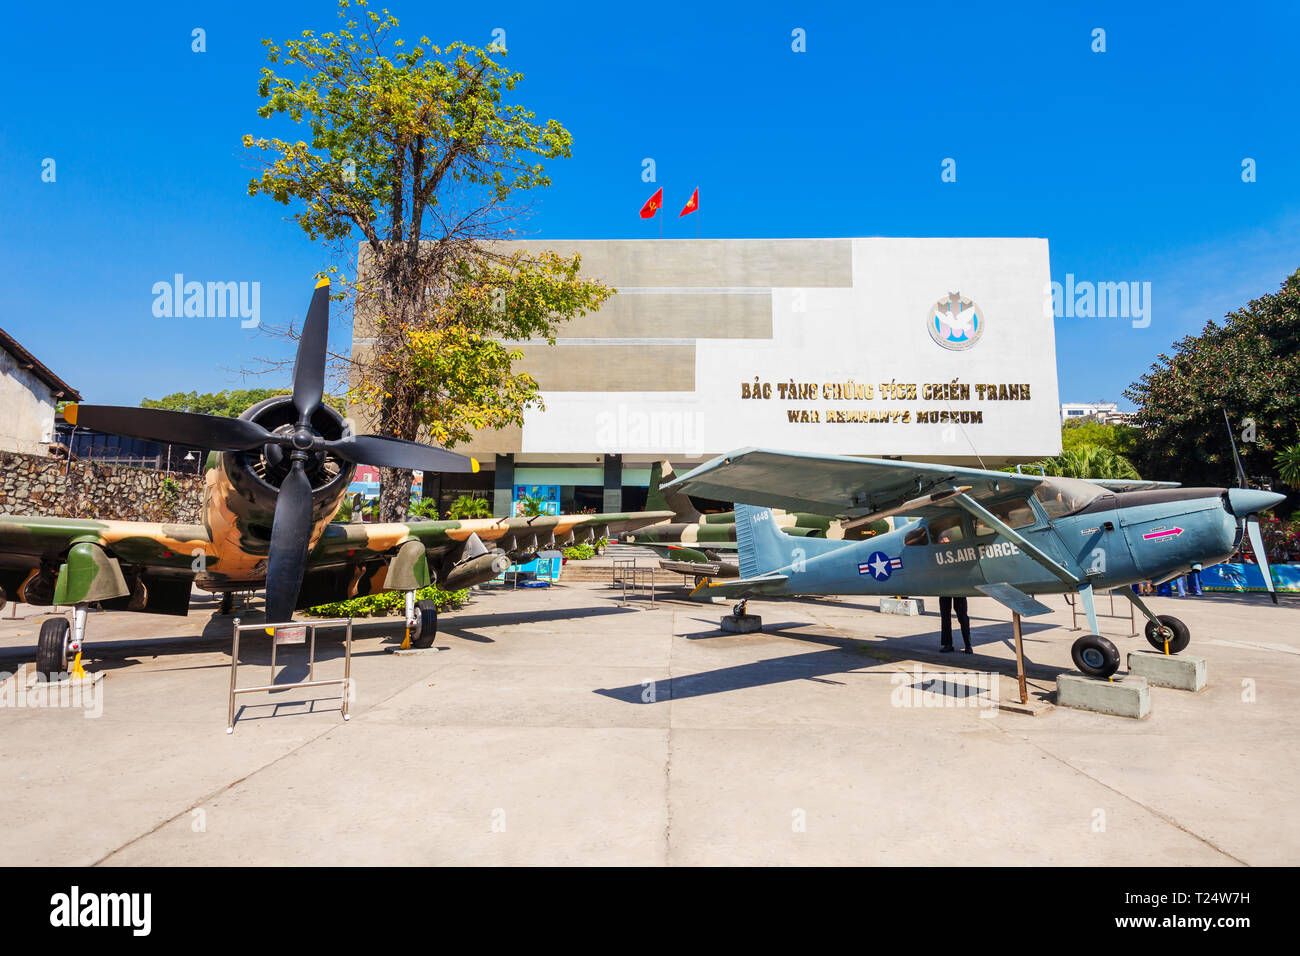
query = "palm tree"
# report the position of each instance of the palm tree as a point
(1288, 465)
(1088, 461)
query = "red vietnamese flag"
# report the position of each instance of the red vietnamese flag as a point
(653, 204)
(692, 204)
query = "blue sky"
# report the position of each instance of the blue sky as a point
(1127, 161)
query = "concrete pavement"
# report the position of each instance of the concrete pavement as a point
(559, 727)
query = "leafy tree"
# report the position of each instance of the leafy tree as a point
(1121, 439)
(532, 507)
(230, 404)
(1249, 366)
(416, 152)
(1088, 461)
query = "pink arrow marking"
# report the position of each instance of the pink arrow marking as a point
(1167, 532)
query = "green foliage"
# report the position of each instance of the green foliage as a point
(228, 404)
(532, 507)
(1249, 366)
(469, 506)
(425, 508)
(579, 552)
(1086, 461)
(600, 543)
(1121, 439)
(389, 602)
(1288, 465)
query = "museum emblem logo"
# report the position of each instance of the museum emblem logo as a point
(955, 322)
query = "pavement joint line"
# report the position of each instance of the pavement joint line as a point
(1134, 800)
(252, 773)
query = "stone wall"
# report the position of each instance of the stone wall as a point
(37, 485)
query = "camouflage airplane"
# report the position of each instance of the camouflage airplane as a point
(1007, 536)
(274, 480)
(696, 544)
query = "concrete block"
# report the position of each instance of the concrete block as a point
(742, 623)
(1179, 671)
(398, 651)
(910, 606)
(1130, 697)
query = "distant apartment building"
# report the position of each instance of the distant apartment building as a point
(1107, 413)
(29, 396)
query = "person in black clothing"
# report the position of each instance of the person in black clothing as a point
(946, 606)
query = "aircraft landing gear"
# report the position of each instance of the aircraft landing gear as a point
(1168, 634)
(739, 609)
(426, 624)
(58, 648)
(1095, 656)
(227, 603)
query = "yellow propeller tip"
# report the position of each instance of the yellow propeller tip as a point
(324, 283)
(70, 413)
(474, 465)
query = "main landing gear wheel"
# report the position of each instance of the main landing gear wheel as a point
(1172, 630)
(426, 624)
(1095, 656)
(52, 647)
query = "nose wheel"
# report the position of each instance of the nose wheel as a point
(1168, 634)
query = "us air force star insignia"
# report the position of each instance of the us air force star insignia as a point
(879, 564)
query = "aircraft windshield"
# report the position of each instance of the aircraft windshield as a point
(1065, 496)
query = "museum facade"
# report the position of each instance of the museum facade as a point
(929, 349)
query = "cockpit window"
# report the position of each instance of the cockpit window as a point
(946, 530)
(1015, 513)
(1064, 496)
(917, 535)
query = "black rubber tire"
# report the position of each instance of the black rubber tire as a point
(1095, 656)
(1178, 642)
(426, 624)
(52, 647)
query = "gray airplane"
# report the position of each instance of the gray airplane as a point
(1007, 536)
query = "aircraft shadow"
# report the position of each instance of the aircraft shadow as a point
(846, 657)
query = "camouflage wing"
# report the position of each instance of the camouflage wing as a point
(80, 560)
(360, 542)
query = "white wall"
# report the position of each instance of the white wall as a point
(873, 332)
(26, 409)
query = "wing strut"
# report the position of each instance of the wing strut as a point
(979, 511)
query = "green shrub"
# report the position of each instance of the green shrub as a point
(469, 506)
(389, 602)
(579, 552)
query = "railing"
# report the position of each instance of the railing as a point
(290, 633)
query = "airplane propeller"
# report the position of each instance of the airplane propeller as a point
(291, 525)
(1250, 518)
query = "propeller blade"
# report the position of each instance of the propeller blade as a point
(309, 366)
(214, 432)
(398, 453)
(1257, 545)
(290, 533)
(1241, 472)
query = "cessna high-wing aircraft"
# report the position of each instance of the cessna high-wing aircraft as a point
(276, 476)
(1007, 536)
